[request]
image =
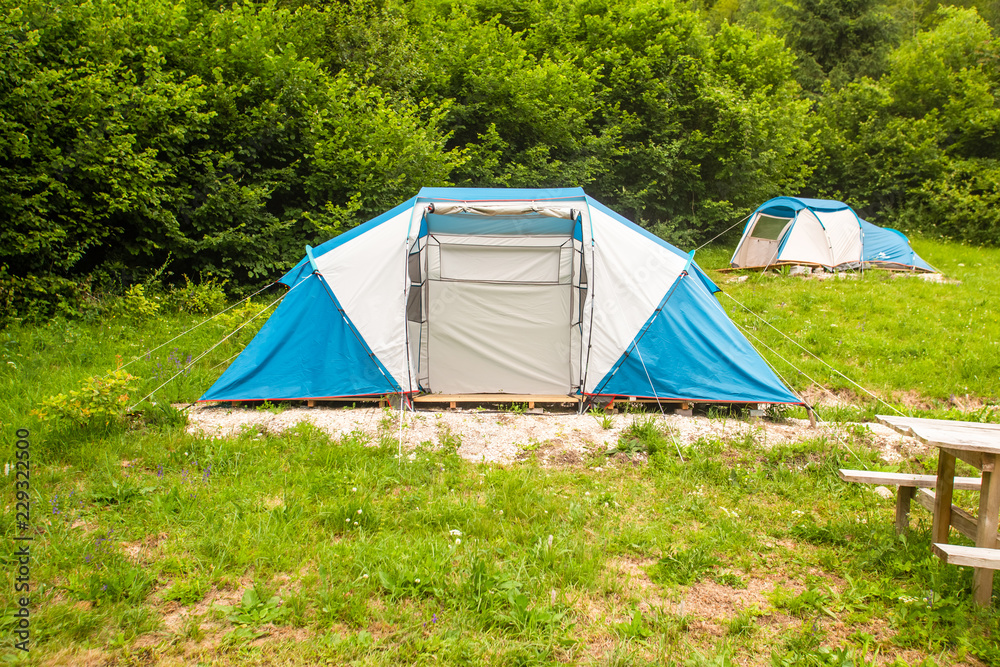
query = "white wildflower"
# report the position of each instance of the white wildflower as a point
(455, 531)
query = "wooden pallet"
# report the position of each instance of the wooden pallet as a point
(480, 399)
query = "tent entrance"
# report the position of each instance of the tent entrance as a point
(497, 308)
(761, 245)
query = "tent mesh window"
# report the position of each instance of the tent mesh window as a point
(769, 228)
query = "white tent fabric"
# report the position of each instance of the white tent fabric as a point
(820, 232)
(496, 291)
(367, 268)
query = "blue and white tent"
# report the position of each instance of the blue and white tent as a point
(820, 232)
(464, 291)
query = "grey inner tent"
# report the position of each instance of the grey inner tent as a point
(497, 310)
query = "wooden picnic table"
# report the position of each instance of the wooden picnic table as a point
(979, 446)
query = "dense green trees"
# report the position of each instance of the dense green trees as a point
(217, 138)
(920, 146)
(204, 136)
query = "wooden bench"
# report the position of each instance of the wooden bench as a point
(968, 556)
(907, 486)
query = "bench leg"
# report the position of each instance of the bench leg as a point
(986, 533)
(942, 497)
(903, 497)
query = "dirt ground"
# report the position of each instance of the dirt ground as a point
(500, 437)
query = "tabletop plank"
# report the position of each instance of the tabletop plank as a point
(923, 420)
(969, 436)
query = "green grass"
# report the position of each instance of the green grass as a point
(902, 338)
(297, 549)
(155, 545)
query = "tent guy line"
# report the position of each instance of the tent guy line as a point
(819, 418)
(814, 356)
(184, 333)
(199, 357)
(727, 229)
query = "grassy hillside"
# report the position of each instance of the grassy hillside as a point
(906, 339)
(154, 545)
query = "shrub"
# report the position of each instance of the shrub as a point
(203, 298)
(100, 401)
(40, 298)
(135, 305)
(243, 314)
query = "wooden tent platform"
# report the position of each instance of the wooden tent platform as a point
(479, 399)
(454, 400)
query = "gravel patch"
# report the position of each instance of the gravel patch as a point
(500, 437)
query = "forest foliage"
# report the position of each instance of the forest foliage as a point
(153, 139)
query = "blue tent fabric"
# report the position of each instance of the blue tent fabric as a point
(527, 224)
(888, 246)
(306, 349)
(785, 204)
(689, 346)
(880, 245)
(309, 348)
